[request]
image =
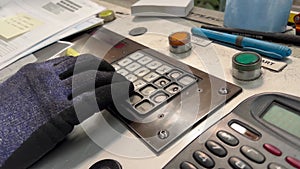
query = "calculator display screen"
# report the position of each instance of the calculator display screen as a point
(284, 118)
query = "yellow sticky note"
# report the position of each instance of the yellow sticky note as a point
(16, 25)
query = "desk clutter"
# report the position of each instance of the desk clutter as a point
(195, 104)
(27, 26)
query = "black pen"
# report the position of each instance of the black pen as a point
(274, 37)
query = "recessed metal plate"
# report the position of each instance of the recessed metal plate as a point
(171, 97)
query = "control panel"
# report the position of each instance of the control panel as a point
(261, 132)
(170, 97)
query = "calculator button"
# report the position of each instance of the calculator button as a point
(139, 83)
(136, 55)
(144, 60)
(275, 166)
(227, 138)
(154, 65)
(159, 97)
(141, 72)
(124, 62)
(135, 98)
(186, 80)
(293, 162)
(238, 163)
(187, 165)
(216, 148)
(151, 76)
(148, 90)
(163, 69)
(123, 72)
(144, 107)
(131, 77)
(253, 154)
(133, 66)
(175, 74)
(245, 130)
(162, 82)
(117, 67)
(272, 149)
(204, 159)
(173, 88)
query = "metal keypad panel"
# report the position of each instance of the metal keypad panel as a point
(170, 96)
(155, 81)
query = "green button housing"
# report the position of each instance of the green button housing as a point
(246, 65)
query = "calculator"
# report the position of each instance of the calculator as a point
(170, 97)
(261, 132)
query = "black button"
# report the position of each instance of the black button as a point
(216, 148)
(237, 163)
(275, 166)
(228, 138)
(106, 164)
(203, 159)
(253, 154)
(187, 165)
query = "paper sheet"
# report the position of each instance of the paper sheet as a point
(17, 25)
(56, 15)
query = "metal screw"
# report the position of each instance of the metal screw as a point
(161, 116)
(163, 134)
(223, 91)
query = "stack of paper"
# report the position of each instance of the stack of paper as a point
(28, 25)
(175, 8)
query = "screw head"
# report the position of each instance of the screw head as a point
(223, 91)
(163, 134)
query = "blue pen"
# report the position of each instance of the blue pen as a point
(268, 49)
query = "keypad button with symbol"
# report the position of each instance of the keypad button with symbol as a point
(124, 62)
(133, 66)
(275, 166)
(144, 60)
(253, 154)
(136, 55)
(139, 83)
(162, 82)
(227, 138)
(144, 107)
(141, 72)
(186, 80)
(153, 65)
(131, 77)
(163, 69)
(187, 165)
(159, 97)
(173, 88)
(203, 159)
(175, 74)
(151, 76)
(135, 98)
(216, 148)
(148, 90)
(238, 163)
(123, 72)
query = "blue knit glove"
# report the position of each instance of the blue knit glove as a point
(42, 102)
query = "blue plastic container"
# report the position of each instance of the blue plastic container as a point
(257, 15)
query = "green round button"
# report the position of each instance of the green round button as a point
(246, 58)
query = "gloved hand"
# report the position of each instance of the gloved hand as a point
(41, 103)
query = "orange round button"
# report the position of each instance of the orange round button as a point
(179, 38)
